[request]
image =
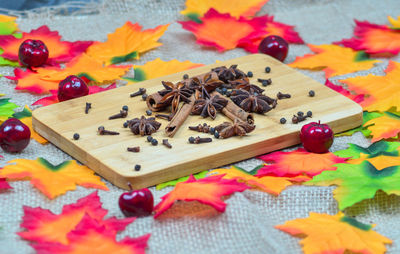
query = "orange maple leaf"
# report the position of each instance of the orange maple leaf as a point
(394, 22)
(224, 31)
(386, 126)
(270, 184)
(32, 82)
(25, 116)
(354, 97)
(158, 68)
(324, 233)
(383, 91)
(208, 191)
(236, 8)
(44, 226)
(59, 51)
(91, 236)
(52, 180)
(3, 183)
(380, 40)
(334, 60)
(298, 162)
(84, 66)
(126, 43)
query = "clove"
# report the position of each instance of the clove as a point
(281, 96)
(135, 149)
(265, 82)
(103, 131)
(201, 128)
(166, 143)
(139, 92)
(199, 140)
(166, 117)
(298, 118)
(121, 114)
(88, 106)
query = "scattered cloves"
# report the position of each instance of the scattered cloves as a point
(201, 128)
(103, 131)
(134, 149)
(144, 96)
(121, 114)
(199, 140)
(88, 106)
(166, 143)
(139, 92)
(154, 142)
(265, 82)
(281, 96)
(149, 112)
(298, 118)
(166, 117)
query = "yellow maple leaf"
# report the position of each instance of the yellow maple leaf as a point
(85, 66)
(334, 60)
(380, 162)
(383, 91)
(394, 22)
(270, 184)
(126, 43)
(386, 126)
(324, 233)
(195, 8)
(52, 180)
(158, 68)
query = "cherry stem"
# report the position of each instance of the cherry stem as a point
(130, 186)
(319, 121)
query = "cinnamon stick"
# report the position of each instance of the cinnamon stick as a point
(233, 111)
(179, 118)
(153, 102)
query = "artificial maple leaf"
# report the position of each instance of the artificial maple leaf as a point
(7, 25)
(272, 27)
(197, 176)
(4, 184)
(223, 31)
(270, 184)
(54, 98)
(90, 235)
(126, 43)
(383, 91)
(324, 233)
(44, 226)
(6, 109)
(375, 39)
(236, 8)
(52, 180)
(208, 191)
(381, 154)
(298, 162)
(84, 66)
(386, 126)
(357, 182)
(28, 80)
(25, 116)
(158, 68)
(334, 60)
(354, 97)
(363, 128)
(59, 51)
(394, 22)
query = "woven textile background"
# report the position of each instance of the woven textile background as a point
(247, 224)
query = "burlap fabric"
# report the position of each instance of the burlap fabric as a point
(247, 226)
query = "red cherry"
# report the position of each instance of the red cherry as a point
(14, 136)
(136, 203)
(33, 53)
(316, 137)
(72, 87)
(274, 46)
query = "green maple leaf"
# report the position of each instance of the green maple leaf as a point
(6, 109)
(363, 129)
(357, 182)
(200, 175)
(376, 149)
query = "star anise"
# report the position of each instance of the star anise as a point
(209, 82)
(207, 106)
(174, 93)
(231, 73)
(143, 126)
(237, 128)
(244, 83)
(251, 101)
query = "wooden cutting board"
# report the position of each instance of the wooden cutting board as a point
(107, 155)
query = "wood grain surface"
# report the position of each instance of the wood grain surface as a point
(107, 155)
